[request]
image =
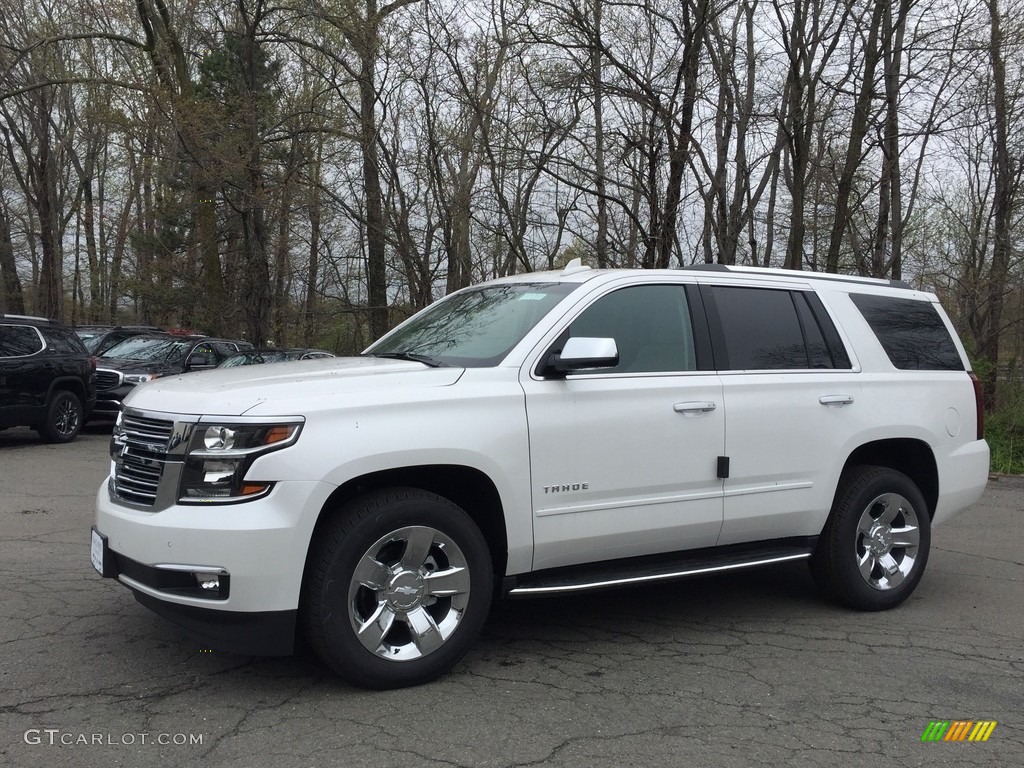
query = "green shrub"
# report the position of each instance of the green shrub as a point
(1004, 429)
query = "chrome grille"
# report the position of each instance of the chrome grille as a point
(146, 434)
(107, 379)
(137, 480)
(139, 449)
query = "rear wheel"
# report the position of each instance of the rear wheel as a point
(875, 545)
(63, 418)
(397, 589)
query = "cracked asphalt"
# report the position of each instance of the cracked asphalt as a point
(752, 669)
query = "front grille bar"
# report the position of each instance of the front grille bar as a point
(142, 449)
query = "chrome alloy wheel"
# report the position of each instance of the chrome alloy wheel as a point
(888, 538)
(408, 593)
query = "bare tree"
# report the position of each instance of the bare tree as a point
(360, 22)
(1006, 171)
(35, 126)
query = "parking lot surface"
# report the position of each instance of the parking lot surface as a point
(753, 669)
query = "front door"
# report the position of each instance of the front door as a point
(624, 459)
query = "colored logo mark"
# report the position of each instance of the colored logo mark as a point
(958, 730)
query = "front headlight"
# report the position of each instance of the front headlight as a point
(139, 378)
(219, 456)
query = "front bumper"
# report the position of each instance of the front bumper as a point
(253, 633)
(263, 633)
(254, 553)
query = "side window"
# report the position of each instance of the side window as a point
(910, 331)
(650, 324)
(762, 330)
(19, 341)
(824, 345)
(224, 350)
(63, 342)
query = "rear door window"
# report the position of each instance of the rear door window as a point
(63, 342)
(765, 329)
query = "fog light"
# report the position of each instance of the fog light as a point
(208, 581)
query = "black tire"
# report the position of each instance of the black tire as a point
(64, 417)
(874, 548)
(414, 571)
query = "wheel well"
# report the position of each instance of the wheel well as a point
(70, 385)
(911, 457)
(471, 489)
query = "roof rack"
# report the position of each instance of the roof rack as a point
(33, 318)
(776, 271)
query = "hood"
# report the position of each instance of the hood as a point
(285, 389)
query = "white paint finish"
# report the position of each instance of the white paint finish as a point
(637, 453)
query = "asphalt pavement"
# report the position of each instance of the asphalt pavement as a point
(751, 669)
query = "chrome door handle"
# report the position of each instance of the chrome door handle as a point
(694, 407)
(835, 399)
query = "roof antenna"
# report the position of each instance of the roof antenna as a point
(574, 266)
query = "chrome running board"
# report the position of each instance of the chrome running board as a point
(644, 570)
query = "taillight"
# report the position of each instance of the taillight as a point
(979, 405)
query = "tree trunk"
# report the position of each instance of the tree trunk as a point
(11, 296)
(49, 293)
(376, 263)
(600, 172)
(309, 317)
(1002, 207)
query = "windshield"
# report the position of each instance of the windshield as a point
(475, 328)
(151, 350)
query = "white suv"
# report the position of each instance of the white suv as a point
(544, 433)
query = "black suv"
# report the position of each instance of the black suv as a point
(47, 378)
(146, 357)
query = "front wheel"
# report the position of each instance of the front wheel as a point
(875, 545)
(397, 588)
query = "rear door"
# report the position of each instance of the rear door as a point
(24, 373)
(71, 362)
(793, 400)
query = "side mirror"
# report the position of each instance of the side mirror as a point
(581, 353)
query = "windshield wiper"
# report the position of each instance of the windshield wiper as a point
(425, 359)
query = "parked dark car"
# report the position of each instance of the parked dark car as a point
(47, 378)
(273, 355)
(140, 359)
(99, 338)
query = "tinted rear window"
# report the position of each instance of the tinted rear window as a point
(63, 341)
(911, 333)
(774, 329)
